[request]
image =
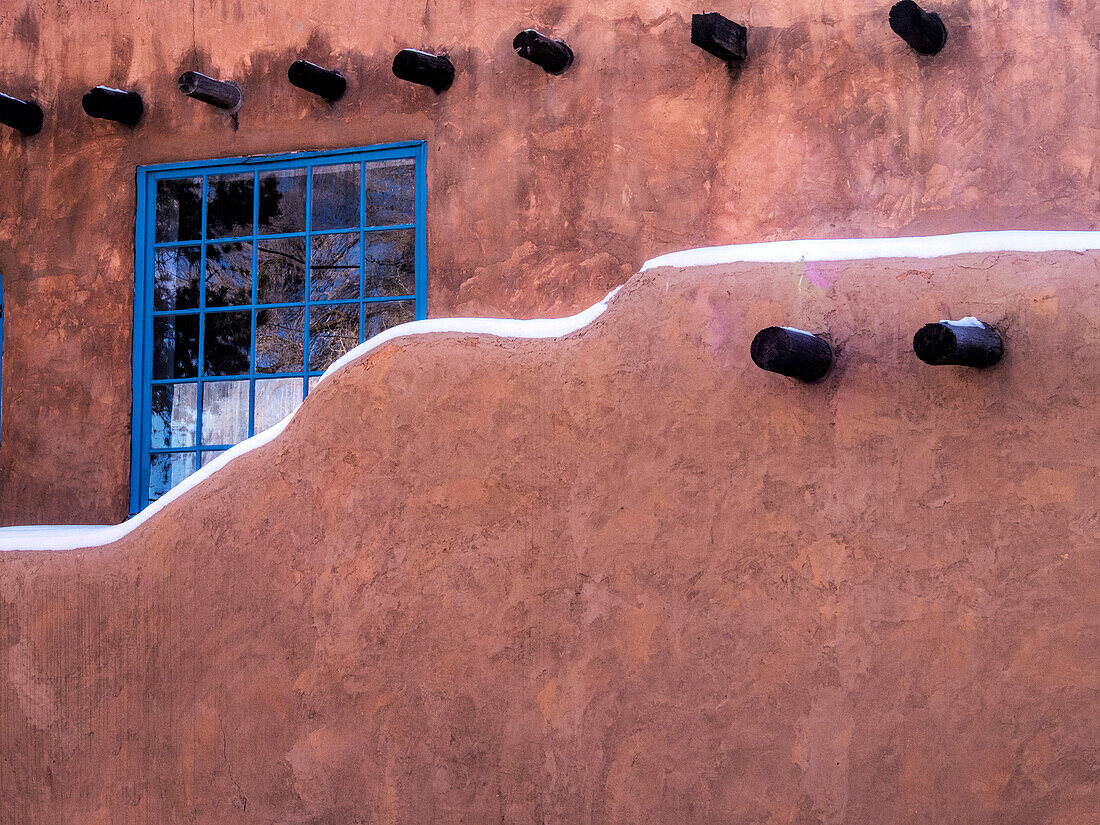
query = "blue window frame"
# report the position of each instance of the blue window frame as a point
(252, 276)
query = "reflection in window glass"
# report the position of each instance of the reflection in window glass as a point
(335, 197)
(280, 339)
(176, 278)
(390, 192)
(334, 267)
(206, 456)
(227, 343)
(229, 205)
(176, 346)
(282, 201)
(166, 470)
(276, 398)
(383, 315)
(388, 263)
(333, 330)
(243, 323)
(173, 421)
(281, 271)
(179, 210)
(224, 412)
(228, 274)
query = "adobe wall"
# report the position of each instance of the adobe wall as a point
(618, 577)
(543, 192)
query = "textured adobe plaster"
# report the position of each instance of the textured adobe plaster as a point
(618, 577)
(544, 192)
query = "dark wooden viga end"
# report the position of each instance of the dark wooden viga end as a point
(922, 30)
(22, 115)
(554, 56)
(791, 352)
(952, 343)
(219, 93)
(113, 104)
(720, 36)
(325, 83)
(433, 70)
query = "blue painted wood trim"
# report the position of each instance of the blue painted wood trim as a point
(420, 254)
(138, 384)
(144, 241)
(291, 159)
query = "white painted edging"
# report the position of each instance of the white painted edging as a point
(860, 249)
(841, 249)
(73, 537)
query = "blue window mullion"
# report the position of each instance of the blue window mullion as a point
(150, 277)
(309, 258)
(392, 228)
(143, 338)
(147, 243)
(202, 320)
(245, 307)
(181, 450)
(362, 247)
(252, 313)
(214, 379)
(278, 236)
(285, 160)
(420, 249)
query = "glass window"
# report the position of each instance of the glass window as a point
(254, 276)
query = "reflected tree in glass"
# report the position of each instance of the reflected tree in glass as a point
(228, 274)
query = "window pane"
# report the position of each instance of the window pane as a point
(281, 271)
(176, 278)
(229, 205)
(280, 339)
(224, 412)
(276, 398)
(227, 343)
(335, 197)
(166, 470)
(388, 262)
(228, 274)
(334, 267)
(176, 346)
(282, 201)
(380, 316)
(232, 306)
(333, 330)
(208, 455)
(390, 191)
(179, 210)
(174, 409)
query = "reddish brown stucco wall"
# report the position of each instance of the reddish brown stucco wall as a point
(620, 577)
(543, 192)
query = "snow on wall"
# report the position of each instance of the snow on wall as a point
(70, 537)
(73, 537)
(858, 249)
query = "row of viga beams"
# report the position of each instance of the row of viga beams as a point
(721, 37)
(433, 70)
(796, 353)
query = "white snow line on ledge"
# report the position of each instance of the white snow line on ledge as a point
(67, 537)
(857, 249)
(74, 537)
